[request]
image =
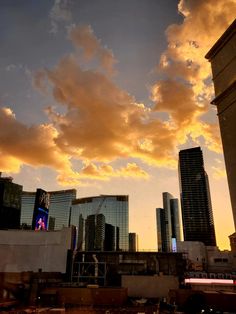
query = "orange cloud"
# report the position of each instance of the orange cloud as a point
(185, 94)
(102, 123)
(84, 39)
(32, 145)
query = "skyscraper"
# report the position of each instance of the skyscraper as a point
(168, 224)
(95, 232)
(223, 62)
(197, 214)
(10, 203)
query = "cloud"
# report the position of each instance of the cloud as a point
(34, 145)
(218, 173)
(106, 171)
(59, 13)
(184, 93)
(84, 40)
(102, 123)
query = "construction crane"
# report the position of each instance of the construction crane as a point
(100, 205)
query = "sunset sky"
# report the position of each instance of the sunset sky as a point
(100, 95)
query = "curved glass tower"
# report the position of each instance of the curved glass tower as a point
(59, 208)
(116, 211)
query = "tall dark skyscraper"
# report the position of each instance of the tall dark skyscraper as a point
(10, 203)
(197, 214)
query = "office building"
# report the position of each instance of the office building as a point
(109, 243)
(59, 207)
(10, 203)
(95, 232)
(133, 242)
(223, 62)
(168, 224)
(115, 208)
(197, 214)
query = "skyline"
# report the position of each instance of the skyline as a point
(95, 97)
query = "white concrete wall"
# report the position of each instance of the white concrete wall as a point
(28, 250)
(149, 286)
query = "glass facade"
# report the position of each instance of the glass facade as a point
(59, 208)
(197, 213)
(168, 223)
(116, 211)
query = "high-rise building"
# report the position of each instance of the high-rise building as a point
(223, 62)
(109, 243)
(133, 242)
(168, 224)
(59, 207)
(10, 203)
(115, 208)
(197, 214)
(95, 232)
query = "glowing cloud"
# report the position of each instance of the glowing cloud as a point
(84, 39)
(102, 123)
(184, 94)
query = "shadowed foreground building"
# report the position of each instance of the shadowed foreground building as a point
(10, 203)
(223, 62)
(197, 214)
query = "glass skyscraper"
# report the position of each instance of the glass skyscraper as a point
(59, 208)
(197, 214)
(113, 207)
(168, 224)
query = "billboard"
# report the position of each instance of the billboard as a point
(41, 208)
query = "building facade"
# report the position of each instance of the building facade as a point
(223, 62)
(168, 224)
(133, 242)
(95, 232)
(197, 214)
(59, 208)
(10, 203)
(115, 208)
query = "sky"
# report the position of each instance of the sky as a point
(101, 95)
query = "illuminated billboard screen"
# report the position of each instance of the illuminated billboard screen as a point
(41, 208)
(41, 220)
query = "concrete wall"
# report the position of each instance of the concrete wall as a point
(195, 253)
(149, 286)
(224, 65)
(219, 261)
(28, 250)
(223, 61)
(88, 296)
